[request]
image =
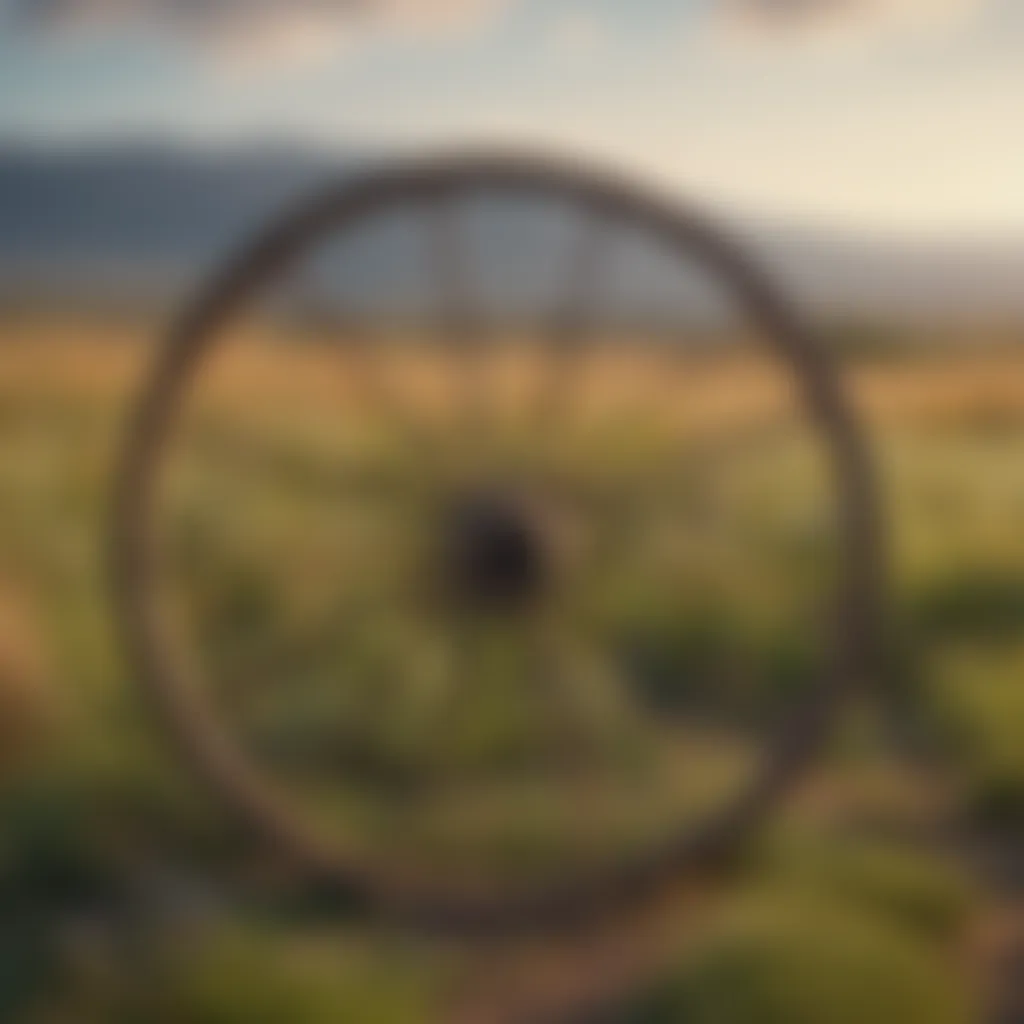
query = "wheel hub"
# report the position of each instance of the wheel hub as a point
(494, 554)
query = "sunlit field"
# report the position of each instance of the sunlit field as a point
(311, 497)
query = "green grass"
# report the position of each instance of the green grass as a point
(299, 541)
(789, 961)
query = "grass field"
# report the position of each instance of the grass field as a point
(694, 544)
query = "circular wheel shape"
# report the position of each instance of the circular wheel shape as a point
(492, 554)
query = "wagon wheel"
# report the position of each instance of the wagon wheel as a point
(493, 556)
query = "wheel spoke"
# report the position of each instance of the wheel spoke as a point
(380, 397)
(444, 706)
(683, 486)
(458, 317)
(573, 319)
(580, 691)
(247, 467)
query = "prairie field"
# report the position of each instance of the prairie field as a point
(313, 511)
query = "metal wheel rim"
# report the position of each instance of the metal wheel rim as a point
(407, 894)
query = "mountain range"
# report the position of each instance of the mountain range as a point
(131, 223)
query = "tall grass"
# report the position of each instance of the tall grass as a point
(295, 523)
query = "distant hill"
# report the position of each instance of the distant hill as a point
(146, 224)
(114, 222)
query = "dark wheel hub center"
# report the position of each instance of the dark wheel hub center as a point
(495, 555)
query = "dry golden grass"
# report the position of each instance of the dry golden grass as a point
(26, 707)
(256, 366)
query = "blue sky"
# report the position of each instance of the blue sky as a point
(907, 116)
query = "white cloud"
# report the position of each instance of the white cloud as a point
(755, 24)
(577, 33)
(256, 32)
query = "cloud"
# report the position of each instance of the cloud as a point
(257, 32)
(757, 23)
(577, 33)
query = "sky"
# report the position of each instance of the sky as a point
(895, 116)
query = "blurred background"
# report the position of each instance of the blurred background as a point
(867, 153)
